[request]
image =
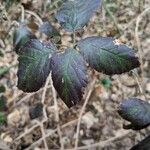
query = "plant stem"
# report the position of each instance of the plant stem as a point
(140, 84)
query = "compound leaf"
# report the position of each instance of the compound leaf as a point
(74, 15)
(34, 65)
(69, 76)
(142, 145)
(135, 111)
(106, 55)
(21, 36)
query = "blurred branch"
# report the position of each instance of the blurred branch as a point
(57, 114)
(119, 135)
(51, 132)
(112, 17)
(82, 111)
(139, 18)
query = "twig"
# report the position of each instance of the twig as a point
(50, 133)
(27, 97)
(140, 85)
(44, 114)
(16, 96)
(27, 131)
(74, 38)
(44, 111)
(81, 113)
(119, 134)
(45, 89)
(112, 17)
(57, 115)
(43, 133)
(35, 15)
(139, 18)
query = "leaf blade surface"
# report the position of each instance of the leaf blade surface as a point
(135, 111)
(74, 15)
(34, 65)
(105, 55)
(69, 76)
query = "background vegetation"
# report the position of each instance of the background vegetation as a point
(24, 124)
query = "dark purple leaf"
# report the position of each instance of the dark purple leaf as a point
(69, 75)
(75, 14)
(106, 55)
(143, 145)
(135, 111)
(34, 65)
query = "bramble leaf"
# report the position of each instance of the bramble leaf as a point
(21, 36)
(135, 111)
(142, 145)
(107, 56)
(34, 64)
(74, 15)
(69, 76)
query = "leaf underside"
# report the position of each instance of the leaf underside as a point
(74, 15)
(69, 76)
(34, 65)
(105, 55)
(135, 111)
(21, 36)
